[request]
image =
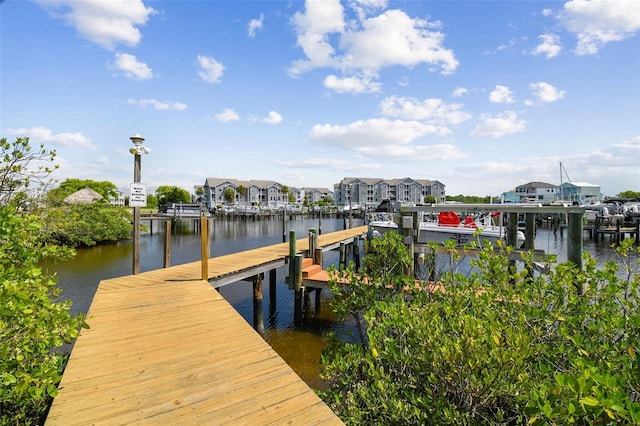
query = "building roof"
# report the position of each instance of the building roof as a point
(83, 196)
(536, 185)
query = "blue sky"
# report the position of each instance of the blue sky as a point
(482, 96)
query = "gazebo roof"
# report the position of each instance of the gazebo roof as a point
(83, 196)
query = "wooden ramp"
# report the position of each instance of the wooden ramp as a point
(165, 348)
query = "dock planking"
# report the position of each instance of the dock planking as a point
(165, 347)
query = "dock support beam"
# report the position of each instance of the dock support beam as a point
(258, 317)
(297, 280)
(575, 240)
(292, 255)
(167, 243)
(204, 247)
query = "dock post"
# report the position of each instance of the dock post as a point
(167, 243)
(320, 221)
(297, 280)
(258, 317)
(530, 231)
(575, 240)
(272, 286)
(343, 257)
(204, 247)
(356, 252)
(313, 241)
(317, 256)
(292, 254)
(284, 225)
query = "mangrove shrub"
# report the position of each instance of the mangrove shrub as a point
(498, 345)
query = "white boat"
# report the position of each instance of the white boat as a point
(447, 226)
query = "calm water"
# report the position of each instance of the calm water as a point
(300, 346)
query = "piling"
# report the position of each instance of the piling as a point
(258, 317)
(292, 255)
(575, 240)
(167, 244)
(297, 284)
(204, 247)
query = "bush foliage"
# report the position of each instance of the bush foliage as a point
(32, 322)
(85, 225)
(496, 346)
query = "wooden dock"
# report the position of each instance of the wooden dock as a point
(165, 348)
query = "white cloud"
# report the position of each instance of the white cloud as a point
(334, 164)
(598, 22)
(392, 140)
(430, 110)
(254, 25)
(351, 85)
(132, 68)
(366, 44)
(501, 95)
(385, 139)
(546, 93)
(459, 91)
(499, 125)
(321, 18)
(227, 115)
(106, 23)
(43, 135)
(273, 118)
(394, 38)
(549, 46)
(159, 105)
(210, 70)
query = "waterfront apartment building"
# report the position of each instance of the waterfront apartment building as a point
(265, 193)
(370, 192)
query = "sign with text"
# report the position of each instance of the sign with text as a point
(138, 195)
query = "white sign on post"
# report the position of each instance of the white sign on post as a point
(138, 195)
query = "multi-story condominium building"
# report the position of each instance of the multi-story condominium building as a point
(314, 195)
(370, 192)
(219, 191)
(266, 193)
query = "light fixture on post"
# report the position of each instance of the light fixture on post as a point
(137, 196)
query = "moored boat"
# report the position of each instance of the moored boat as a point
(448, 226)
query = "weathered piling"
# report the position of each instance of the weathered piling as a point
(167, 244)
(297, 285)
(204, 247)
(258, 317)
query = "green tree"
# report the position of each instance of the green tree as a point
(430, 199)
(85, 225)
(172, 194)
(69, 186)
(152, 202)
(21, 183)
(469, 199)
(629, 194)
(496, 346)
(229, 195)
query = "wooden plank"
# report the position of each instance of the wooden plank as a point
(165, 348)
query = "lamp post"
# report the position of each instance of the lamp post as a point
(137, 150)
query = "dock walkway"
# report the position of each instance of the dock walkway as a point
(165, 348)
